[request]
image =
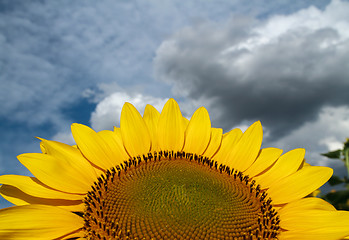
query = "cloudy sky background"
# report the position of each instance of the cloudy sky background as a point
(285, 63)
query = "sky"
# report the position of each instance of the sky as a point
(285, 63)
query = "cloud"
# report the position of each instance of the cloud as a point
(282, 70)
(107, 113)
(55, 55)
(326, 132)
(109, 99)
(51, 54)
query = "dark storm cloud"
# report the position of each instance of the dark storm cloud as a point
(281, 71)
(52, 51)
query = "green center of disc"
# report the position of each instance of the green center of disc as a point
(184, 193)
(178, 198)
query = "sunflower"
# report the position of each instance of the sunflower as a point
(161, 176)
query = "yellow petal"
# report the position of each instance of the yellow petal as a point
(134, 131)
(228, 143)
(333, 224)
(215, 142)
(265, 159)
(313, 234)
(151, 118)
(299, 184)
(198, 133)
(78, 235)
(96, 147)
(171, 127)
(117, 131)
(56, 173)
(71, 155)
(6, 193)
(309, 203)
(185, 123)
(37, 222)
(42, 147)
(34, 187)
(246, 150)
(19, 198)
(284, 166)
(115, 144)
(305, 164)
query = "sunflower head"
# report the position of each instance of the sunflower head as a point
(161, 176)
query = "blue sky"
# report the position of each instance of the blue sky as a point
(282, 62)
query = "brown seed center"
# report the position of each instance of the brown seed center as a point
(177, 196)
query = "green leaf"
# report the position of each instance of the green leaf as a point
(335, 180)
(338, 199)
(334, 154)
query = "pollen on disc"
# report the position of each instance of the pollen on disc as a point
(177, 197)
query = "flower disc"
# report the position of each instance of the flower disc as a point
(179, 198)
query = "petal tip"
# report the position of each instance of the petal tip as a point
(127, 105)
(329, 171)
(75, 126)
(172, 102)
(301, 150)
(258, 125)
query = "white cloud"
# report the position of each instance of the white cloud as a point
(55, 53)
(64, 137)
(52, 52)
(282, 70)
(288, 70)
(333, 16)
(49, 60)
(326, 133)
(107, 112)
(109, 105)
(330, 127)
(332, 143)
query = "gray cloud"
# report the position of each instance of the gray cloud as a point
(282, 70)
(52, 51)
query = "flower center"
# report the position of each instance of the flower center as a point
(177, 196)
